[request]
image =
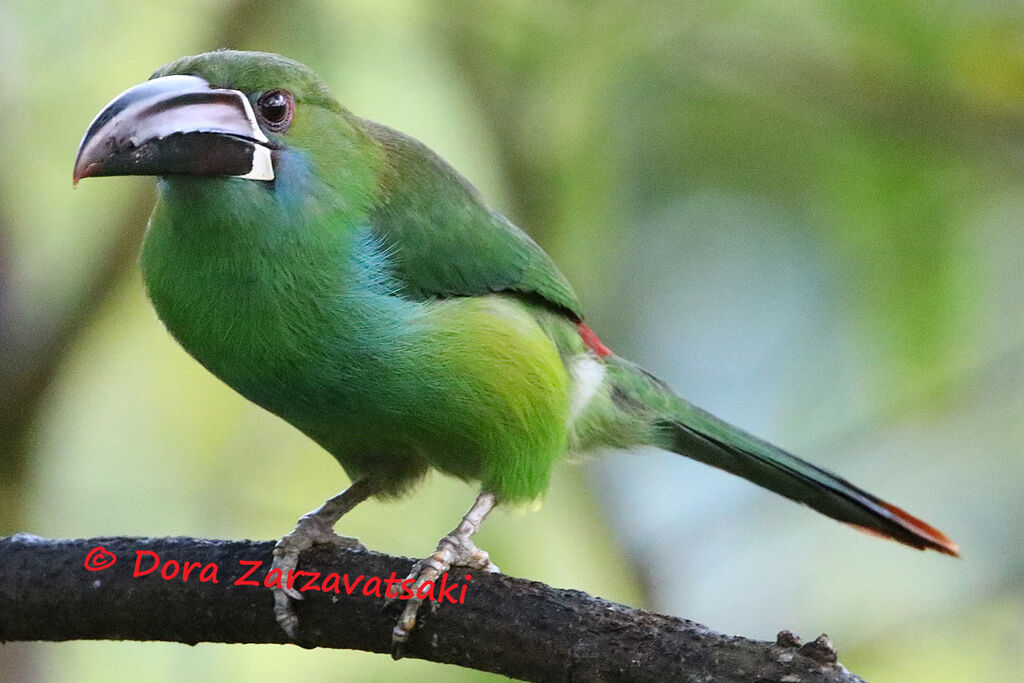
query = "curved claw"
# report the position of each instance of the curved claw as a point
(286, 558)
(285, 614)
(316, 527)
(454, 550)
(451, 552)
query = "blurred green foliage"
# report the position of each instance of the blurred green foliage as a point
(808, 209)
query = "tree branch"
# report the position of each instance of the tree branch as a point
(505, 625)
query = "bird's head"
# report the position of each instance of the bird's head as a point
(224, 113)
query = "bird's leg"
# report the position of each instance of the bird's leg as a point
(454, 550)
(316, 527)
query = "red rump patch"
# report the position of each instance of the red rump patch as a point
(591, 340)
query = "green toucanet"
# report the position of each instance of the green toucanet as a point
(341, 275)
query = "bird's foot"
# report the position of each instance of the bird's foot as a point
(311, 530)
(314, 528)
(454, 550)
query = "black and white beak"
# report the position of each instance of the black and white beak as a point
(176, 125)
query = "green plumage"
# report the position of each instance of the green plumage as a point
(370, 297)
(477, 251)
(333, 299)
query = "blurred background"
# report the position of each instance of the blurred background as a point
(805, 216)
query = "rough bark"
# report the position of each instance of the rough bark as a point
(510, 626)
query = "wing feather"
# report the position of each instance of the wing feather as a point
(445, 241)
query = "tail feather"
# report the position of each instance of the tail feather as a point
(685, 429)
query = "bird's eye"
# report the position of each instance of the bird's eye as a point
(276, 108)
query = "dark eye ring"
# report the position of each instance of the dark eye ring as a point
(276, 108)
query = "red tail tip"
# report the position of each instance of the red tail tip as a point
(926, 535)
(932, 537)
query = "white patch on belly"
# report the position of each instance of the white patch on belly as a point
(587, 374)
